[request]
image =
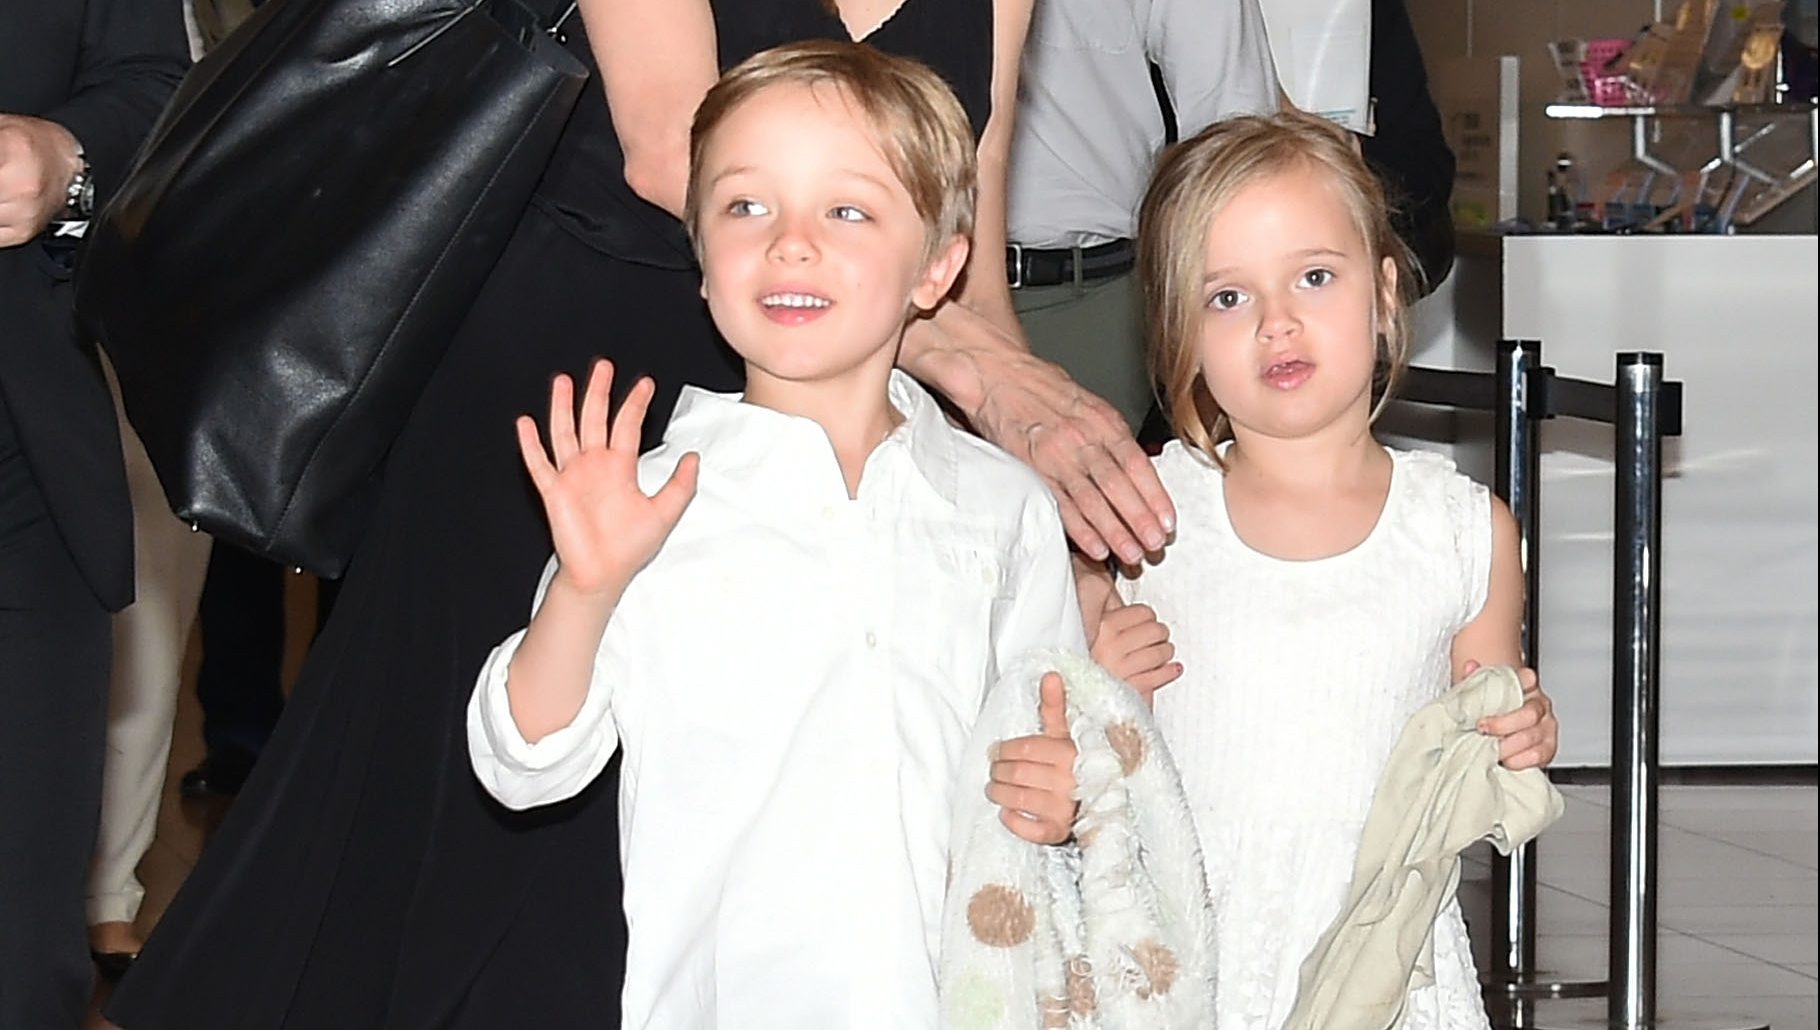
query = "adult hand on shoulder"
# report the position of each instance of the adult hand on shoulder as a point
(604, 526)
(1110, 496)
(1033, 777)
(1529, 736)
(38, 158)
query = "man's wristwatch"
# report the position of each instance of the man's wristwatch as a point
(79, 199)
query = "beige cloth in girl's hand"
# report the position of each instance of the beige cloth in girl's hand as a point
(1110, 931)
(1442, 790)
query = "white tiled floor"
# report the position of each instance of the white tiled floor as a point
(1739, 899)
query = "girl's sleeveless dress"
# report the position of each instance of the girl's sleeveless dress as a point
(1298, 678)
(363, 879)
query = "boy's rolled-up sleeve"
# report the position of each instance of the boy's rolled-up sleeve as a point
(522, 774)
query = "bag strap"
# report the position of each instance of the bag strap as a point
(555, 28)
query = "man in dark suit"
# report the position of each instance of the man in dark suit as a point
(81, 82)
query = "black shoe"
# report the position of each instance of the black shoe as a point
(219, 775)
(112, 965)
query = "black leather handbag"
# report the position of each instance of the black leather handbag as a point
(305, 228)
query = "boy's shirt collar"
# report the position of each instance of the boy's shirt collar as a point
(730, 434)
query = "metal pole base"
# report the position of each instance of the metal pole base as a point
(1539, 984)
(1588, 1014)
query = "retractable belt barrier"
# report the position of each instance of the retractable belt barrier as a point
(1643, 408)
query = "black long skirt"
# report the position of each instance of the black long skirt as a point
(363, 878)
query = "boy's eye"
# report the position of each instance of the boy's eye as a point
(745, 207)
(1225, 300)
(849, 213)
(1317, 277)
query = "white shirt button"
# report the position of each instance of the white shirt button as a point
(871, 639)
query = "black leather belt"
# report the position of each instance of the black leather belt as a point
(1027, 266)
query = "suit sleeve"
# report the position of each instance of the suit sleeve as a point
(134, 52)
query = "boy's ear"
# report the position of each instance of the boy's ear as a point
(939, 275)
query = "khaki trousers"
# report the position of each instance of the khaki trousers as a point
(1095, 332)
(150, 637)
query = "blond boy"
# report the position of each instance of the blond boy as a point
(788, 613)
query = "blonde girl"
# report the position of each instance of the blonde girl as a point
(1320, 587)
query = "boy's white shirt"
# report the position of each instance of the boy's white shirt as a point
(794, 677)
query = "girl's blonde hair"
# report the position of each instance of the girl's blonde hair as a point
(1194, 181)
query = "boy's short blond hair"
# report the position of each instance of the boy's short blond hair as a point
(1193, 182)
(919, 124)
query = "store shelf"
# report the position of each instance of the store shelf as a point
(1756, 190)
(1594, 111)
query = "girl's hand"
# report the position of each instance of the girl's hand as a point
(1126, 640)
(1033, 777)
(604, 526)
(1133, 645)
(1529, 736)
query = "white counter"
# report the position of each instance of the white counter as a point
(1736, 319)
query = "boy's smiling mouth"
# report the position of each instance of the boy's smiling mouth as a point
(794, 307)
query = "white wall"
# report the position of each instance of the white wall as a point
(1736, 319)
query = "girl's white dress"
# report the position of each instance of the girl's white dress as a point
(1298, 677)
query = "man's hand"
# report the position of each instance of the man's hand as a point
(38, 159)
(1033, 777)
(1528, 737)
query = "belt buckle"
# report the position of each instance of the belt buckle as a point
(1017, 265)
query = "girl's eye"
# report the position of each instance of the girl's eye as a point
(1317, 277)
(745, 207)
(1225, 300)
(848, 213)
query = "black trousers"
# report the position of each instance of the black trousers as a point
(242, 616)
(55, 647)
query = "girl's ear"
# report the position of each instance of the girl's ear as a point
(939, 275)
(1388, 278)
(1390, 301)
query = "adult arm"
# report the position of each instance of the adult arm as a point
(657, 60)
(130, 57)
(973, 351)
(134, 53)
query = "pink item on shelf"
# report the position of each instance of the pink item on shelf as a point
(1605, 89)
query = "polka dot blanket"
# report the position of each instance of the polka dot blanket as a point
(1109, 931)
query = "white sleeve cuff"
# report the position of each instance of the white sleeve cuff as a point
(522, 774)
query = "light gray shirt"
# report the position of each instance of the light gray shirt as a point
(1088, 123)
